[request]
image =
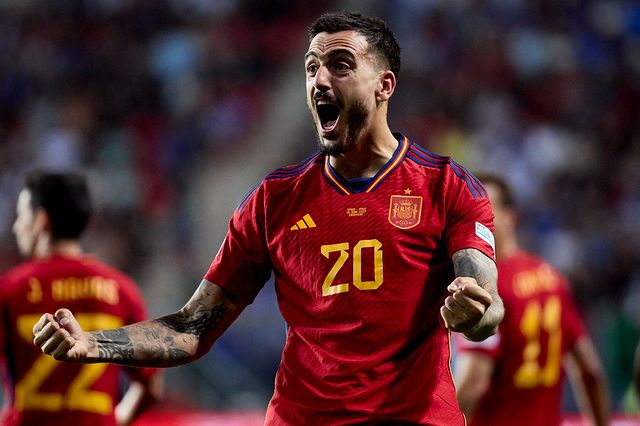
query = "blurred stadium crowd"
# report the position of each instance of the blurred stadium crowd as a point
(160, 101)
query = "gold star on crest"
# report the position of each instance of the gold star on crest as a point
(407, 191)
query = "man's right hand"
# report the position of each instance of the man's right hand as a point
(60, 336)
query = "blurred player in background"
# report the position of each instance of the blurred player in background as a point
(53, 210)
(516, 376)
(378, 246)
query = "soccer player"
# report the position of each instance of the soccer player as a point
(516, 376)
(52, 212)
(379, 249)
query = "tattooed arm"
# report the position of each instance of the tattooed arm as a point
(474, 307)
(167, 341)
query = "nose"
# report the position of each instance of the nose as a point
(321, 79)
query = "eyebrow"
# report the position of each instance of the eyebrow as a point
(332, 53)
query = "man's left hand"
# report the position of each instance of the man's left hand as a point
(466, 304)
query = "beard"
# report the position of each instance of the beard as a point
(357, 120)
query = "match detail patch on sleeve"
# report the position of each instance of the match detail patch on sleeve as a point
(484, 233)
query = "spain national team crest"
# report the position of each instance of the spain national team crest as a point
(405, 211)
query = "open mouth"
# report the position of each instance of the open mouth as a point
(328, 115)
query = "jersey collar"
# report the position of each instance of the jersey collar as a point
(340, 184)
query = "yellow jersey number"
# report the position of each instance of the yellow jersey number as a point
(538, 317)
(78, 395)
(328, 286)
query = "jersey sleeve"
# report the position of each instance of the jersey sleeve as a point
(242, 265)
(469, 214)
(573, 326)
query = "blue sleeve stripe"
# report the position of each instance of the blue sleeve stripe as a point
(247, 197)
(466, 179)
(425, 151)
(293, 170)
(281, 173)
(476, 188)
(421, 162)
(476, 183)
(471, 179)
(428, 158)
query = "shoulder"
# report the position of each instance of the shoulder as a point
(20, 272)
(16, 280)
(293, 172)
(127, 288)
(102, 268)
(534, 274)
(534, 260)
(454, 175)
(281, 179)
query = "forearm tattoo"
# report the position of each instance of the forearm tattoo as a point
(198, 324)
(170, 340)
(473, 263)
(161, 345)
(113, 345)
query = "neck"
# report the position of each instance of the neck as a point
(372, 151)
(68, 248)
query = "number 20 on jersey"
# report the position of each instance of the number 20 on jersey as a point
(354, 255)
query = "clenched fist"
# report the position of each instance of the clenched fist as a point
(60, 336)
(466, 304)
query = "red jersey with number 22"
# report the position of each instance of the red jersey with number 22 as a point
(39, 389)
(541, 324)
(360, 276)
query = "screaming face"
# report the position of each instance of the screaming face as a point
(341, 82)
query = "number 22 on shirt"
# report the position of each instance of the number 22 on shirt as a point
(78, 395)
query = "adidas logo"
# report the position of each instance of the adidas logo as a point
(304, 223)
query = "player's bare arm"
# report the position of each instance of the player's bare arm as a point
(588, 381)
(474, 307)
(473, 377)
(167, 341)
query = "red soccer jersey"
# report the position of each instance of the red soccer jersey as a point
(40, 390)
(360, 278)
(541, 324)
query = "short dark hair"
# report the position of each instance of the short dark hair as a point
(65, 198)
(381, 39)
(506, 195)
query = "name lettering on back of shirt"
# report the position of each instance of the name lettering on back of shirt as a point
(72, 288)
(76, 288)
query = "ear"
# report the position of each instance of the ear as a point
(386, 87)
(41, 221)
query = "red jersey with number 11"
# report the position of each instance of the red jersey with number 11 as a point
(40, 390)
(541, 324)
(360, 275)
